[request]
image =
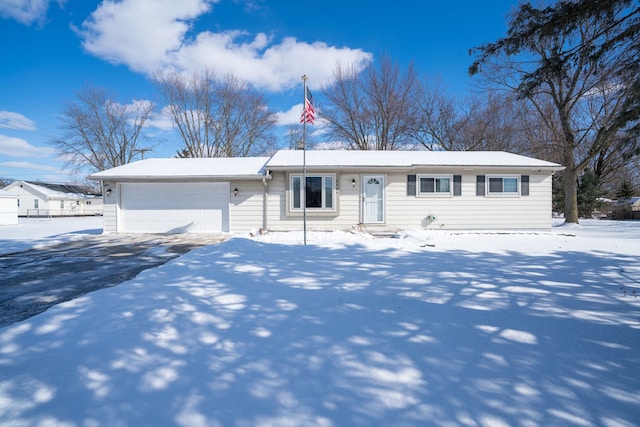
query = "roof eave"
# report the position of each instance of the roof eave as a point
(178, 178)
(280, 168)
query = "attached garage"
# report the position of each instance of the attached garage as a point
(186, 195)
(174, 207)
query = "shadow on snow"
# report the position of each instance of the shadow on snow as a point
(246, 334)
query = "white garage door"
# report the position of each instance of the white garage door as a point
(174, 207)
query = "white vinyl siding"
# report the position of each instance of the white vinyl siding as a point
(27, 201)
(464, 212)
(469, 211)
(246, 209)
(110, 223)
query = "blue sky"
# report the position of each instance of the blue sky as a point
(52, 49)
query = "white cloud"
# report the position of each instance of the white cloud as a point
(290, 117)
(140, 33)
(148, 37)
(265, 65)
(331, 145)
(29, 165)
(26, 11)
(9, 120)
(17, 147)
(162, 120)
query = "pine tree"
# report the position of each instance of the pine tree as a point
(625, 191)
(183, 153)
(558, 193)
(624, 195)
(589, 193)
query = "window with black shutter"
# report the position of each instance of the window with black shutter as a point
(457, 185)
(524, 185)
(411, 185)
(480, 184)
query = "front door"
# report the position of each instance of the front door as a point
(373, 199)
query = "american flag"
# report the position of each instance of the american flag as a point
(308, 114)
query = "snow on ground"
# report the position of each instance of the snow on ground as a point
(426, 328)
(38, 232)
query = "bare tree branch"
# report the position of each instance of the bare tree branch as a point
(372, 110)
(99, 133)
(217, 117)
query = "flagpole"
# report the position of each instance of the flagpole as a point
(304, 158)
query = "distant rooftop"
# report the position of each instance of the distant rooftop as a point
(65, 188)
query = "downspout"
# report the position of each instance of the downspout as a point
(265, 202)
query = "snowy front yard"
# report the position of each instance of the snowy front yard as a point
(428, 328)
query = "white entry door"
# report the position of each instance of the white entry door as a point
(373, 200)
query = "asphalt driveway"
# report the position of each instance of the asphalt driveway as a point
(34, 280)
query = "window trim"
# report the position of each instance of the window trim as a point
(420, 193)
(323, 209)
(502, 193)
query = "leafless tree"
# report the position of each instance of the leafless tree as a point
(217, 117)
(579, 72)
(495, 122)
(374, 109)
(487, 121)
(100, 133)
(482, 122)
(294, 135)
(440, 119)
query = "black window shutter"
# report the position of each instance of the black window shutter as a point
(411, 185)
(457, 185)
(480, 179)
(524, 185)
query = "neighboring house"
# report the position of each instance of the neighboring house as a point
(40, 199)
(8, 208)
(632, 203)
(372, 190)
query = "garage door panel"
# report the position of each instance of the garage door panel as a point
(174, 207)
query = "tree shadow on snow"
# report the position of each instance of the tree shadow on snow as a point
(245, 333)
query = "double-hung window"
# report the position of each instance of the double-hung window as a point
(503, 185)
(320, 192)
(434, 185)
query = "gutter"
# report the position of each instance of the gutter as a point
(179, 178)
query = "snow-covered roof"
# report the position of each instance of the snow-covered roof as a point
(177, 168)
(64, 188)
(630, 201)
(52, 191)
(405, 159)
(255, 167)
